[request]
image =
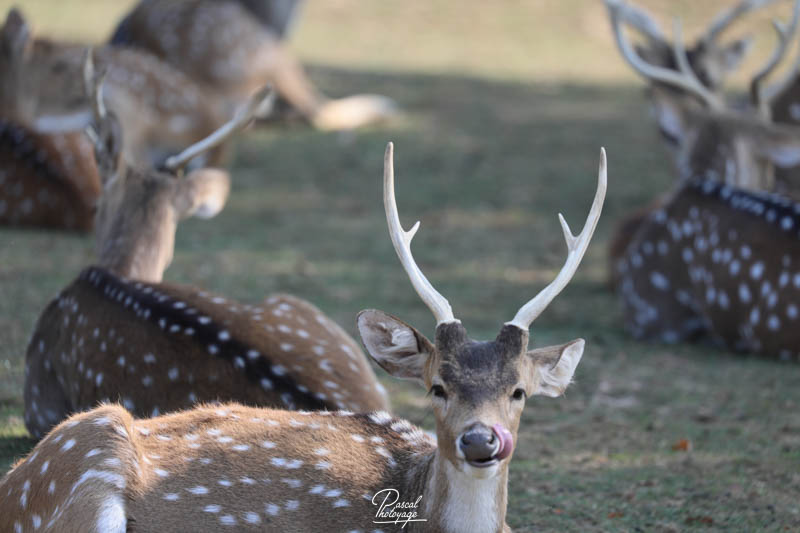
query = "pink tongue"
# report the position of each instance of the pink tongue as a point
(506, 441)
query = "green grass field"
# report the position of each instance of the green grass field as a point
(506, 106)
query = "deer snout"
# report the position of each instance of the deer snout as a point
(479, 445)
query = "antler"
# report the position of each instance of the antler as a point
(641, 20)
(684, 78)
(576, 247)
(762, 96)
(258, 105)
(728, 16)
(401, 240)
(94, 84)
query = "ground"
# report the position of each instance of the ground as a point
(506, 105)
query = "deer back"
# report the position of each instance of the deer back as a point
(305, 471)
(163, 347)
(716, 260)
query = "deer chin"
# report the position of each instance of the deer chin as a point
(481, 470)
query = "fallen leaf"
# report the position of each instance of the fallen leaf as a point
(683, 445)
(616, 514)
(558, 511)
(704, 520)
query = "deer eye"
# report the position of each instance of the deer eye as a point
(438, 391)
(519, 394)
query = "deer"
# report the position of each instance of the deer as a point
(46, 179)
(163, 110)
(701, 126)
(717, 257)
(222, 46)
(118, 332)
(249, 469)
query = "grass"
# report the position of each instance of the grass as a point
(502, 130)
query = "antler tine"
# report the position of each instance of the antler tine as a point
(576, 247)
(641, 20)
(728, 16)
(258, 103)
(761, 95)
(94, 84)
(684, 79)
(401, 240)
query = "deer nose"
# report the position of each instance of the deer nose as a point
(479, 444)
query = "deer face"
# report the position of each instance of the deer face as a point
(478, 389)
(737, 149)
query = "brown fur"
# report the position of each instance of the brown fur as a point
(46, 180)
(236, 56)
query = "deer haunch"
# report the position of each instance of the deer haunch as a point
(721, 261)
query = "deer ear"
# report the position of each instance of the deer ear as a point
(778, 145)
(554, 366)
(671, 112)
(14, 36)
(732, 54)
(202, 193)
(397, 347)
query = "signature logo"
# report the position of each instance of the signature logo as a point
(393, 511)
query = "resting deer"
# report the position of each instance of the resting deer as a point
(702, 127)
(718, 257)
(161, 108)
(240, 468)
(46, 179)
(222, 46)
(119, 333)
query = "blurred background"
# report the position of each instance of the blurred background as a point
(505, 107)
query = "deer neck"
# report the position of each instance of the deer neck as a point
(135, 260)
(455, 502)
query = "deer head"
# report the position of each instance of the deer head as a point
(140, 207)
(478, 389)
(709, 60)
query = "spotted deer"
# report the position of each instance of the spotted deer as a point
(224, 47)
(161, 108)
(119, 333)
(717, 257)
(709, 137)
(46, 179)
(250, 469)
